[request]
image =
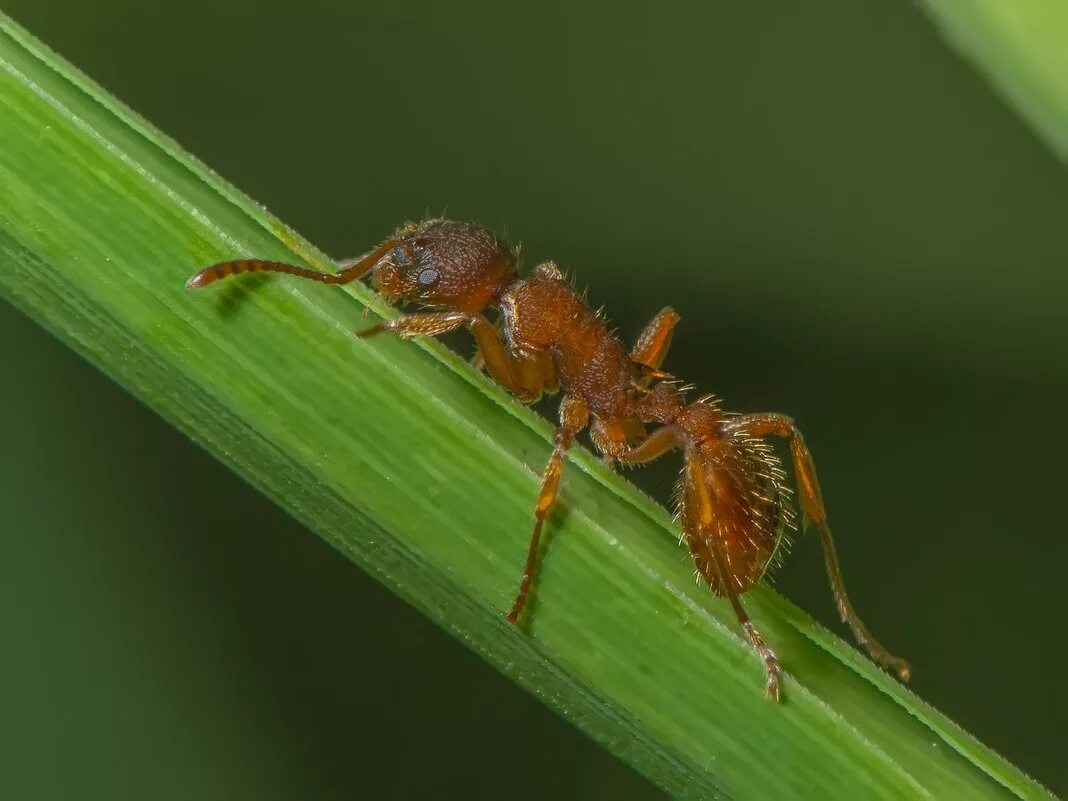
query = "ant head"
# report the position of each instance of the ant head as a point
(445, 263)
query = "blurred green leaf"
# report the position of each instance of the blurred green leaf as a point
(1022, 48)
(423, 473)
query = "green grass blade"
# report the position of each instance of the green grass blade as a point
(1022, 48)
(424, 474)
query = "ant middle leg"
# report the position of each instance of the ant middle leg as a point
(574, 415)
(612, 437)
(773, 424)
(664, 439)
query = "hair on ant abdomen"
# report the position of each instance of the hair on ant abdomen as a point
(733, 502)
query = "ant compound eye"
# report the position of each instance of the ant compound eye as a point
(399, 256)
(428, 276)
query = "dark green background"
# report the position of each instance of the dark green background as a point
(855, 229)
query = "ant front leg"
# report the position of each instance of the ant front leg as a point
(420, 325)
(779, 425)
(574, 415)
(524, 384)
(535, 370)
(478, 361)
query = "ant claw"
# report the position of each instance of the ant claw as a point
(771, 689)
(900, 667)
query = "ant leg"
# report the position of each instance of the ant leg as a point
(759, 644)
(547, 370)
(612, 438)
(498, 361)
(664, 439)
(536, 373)
(524, 378)
(652, 346)
(478, 361)
(770, 423)
(350, 270)
(533, 371)
(419, 325)
(574, 414)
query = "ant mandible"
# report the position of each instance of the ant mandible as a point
(733, 502)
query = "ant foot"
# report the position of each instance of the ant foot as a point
(771, 662)
(888, 661)
(771, 690)
(900, 667)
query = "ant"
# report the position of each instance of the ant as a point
(732, 499)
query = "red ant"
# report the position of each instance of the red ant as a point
(732, 499)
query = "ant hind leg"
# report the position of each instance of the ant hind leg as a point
(773, 424)
(755, 639)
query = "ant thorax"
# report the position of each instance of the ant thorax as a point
(544, 314)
